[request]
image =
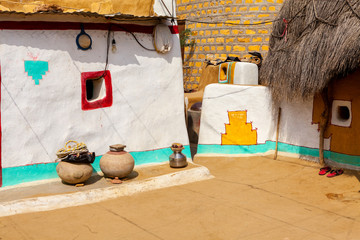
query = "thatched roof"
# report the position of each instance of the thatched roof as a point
(322, 43)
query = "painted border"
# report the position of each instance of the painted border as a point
(40, 25)
(1, 176)
(101, 103)
(29, 173)
(345, 159)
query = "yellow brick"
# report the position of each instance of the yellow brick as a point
(258, 1)
(182, 8)
(191, 64)
(229, 40)
(266, 39)
(192, 25)
(195, 7)
(239, 48)
(235, 31)
(192, 79)
(220, 48)
(272, 9)
(265, 48)
(194, 71)
(222, 2)
(263, 15)
(178, 2)
(201, 33)
(220, 40)
(185, 1)
(206, 4)
(203, 40)
(232, 22)
(207, 32)
(234, 9)
(247, 22)
(198, 40)
(194, 86)
(203, 12)
(238, 1)
(198, 13)
(209, 11)
(197, 79)
(223, 55)
(200, 48)
(214, 11)
(225, 31)
(212, 4)
(270, 1)
(217, 55)
(243, 9)
(244, 40)
(249, 1)
(198, 64)
(210, 40)
(219, 24)
(279, 1)
(263, 31)
(198, 25)
(254, 48)
(200, 5)
(212, 48)
(268, 23)
(188, 7)
(253, 9)
(263, 8)
(258, 39)
(215, 32)
(201, 56)
(220, 10)
(212, 25)
(228, 2)
(248, 31)
(228, 48)
(227, 9)
(206, 48)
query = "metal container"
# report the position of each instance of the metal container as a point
(177, 159)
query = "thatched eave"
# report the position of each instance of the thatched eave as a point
(317, 42)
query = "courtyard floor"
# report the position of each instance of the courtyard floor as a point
(250, 198)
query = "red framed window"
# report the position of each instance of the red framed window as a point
(96, 90)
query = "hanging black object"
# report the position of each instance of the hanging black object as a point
(83, 40)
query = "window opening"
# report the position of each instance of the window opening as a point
(343, 113)
(95, 89)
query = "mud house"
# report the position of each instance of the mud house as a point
(312, 74)
(88, 74)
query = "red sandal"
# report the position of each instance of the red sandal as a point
(324, 170)
(334, 173)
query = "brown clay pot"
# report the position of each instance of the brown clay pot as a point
(117, 162)
(74, 173)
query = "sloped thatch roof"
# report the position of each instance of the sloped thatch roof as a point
(321, 43)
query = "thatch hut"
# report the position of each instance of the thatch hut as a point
(315, 54)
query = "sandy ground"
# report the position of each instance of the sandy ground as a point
(249, 198)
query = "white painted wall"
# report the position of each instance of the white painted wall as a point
(296, 126)
(221, 98)
(160, 9)
(147, 111)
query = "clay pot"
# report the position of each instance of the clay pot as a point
(117, 162)
(74, 173)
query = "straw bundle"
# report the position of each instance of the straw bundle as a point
(318, 41)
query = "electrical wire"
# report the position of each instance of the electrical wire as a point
(137, 40)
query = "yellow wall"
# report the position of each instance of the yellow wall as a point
(224, 39)
(134, 7)
(344, 140)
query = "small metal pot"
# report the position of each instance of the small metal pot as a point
(177, 159)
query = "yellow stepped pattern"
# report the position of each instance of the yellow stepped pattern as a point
(238, 131)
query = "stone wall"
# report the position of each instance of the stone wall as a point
(230, 32)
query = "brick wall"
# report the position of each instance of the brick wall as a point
(225, 37)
